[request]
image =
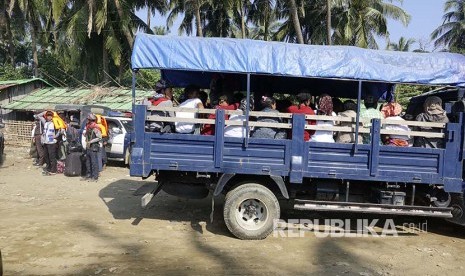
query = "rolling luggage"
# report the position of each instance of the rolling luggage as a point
(73, 164)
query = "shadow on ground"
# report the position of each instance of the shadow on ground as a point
(123, 204)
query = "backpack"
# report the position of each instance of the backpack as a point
(102, 123)
(58, 123)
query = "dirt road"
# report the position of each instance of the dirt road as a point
(62, 226)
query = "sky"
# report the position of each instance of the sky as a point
(426, 16)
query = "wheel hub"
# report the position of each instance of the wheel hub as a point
(251, 214)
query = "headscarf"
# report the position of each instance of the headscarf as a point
(325, 105)
(433, 111)
(433, 106)
(391, 109)
(243, 105)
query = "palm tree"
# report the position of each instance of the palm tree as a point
(358, 22)
(104, 35)
(452, 31)
(263, 13)
(312, 18)
(191, 9)
(295, 21)
(160, 30)
(6, 28)
(152, 7)
(33, 11)
(402, 46)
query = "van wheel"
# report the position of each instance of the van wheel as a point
(127, 158)
(250, 211)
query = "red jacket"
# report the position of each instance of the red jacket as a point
(209, 129)
(156, 102)
(303, 109)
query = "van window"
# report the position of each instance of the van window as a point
(128, 125)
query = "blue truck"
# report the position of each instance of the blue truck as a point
(260, 176)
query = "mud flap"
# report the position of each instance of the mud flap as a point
(148, 191)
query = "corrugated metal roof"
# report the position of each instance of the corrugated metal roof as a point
(9, 83)
(119, 99)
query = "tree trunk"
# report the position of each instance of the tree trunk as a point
(198, 21)
(296, 22)
(5, 20)
(149, 15)
(11, 45)
(126, 31)
(328, 22)
(242, 19)
(34, 48)
(106, 78)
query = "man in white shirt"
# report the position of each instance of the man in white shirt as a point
(193, 101)
(49, 141)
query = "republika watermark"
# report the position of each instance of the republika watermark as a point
(297, 228)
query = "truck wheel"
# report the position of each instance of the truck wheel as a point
(250, 210)
(458, 209)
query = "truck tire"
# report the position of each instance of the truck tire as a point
(458, 209)
(250, 211)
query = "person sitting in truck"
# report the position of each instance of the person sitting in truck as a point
(269, 105)
(192, 101)
(239, 131)
(325, 107)
(370, 112)
(350, 111)
(303, 107)
(223, 103)
(392, 111)
(162, 98)
(434, 113)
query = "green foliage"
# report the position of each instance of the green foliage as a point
(404, 92)
(7, 72)
(86, 42)
(146, 78)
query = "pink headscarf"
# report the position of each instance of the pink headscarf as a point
(326, 105)
(391, 110)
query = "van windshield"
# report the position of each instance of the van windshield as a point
(128, 125)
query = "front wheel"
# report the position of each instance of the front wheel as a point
(250, 211)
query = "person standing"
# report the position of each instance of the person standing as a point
(49, 142)
(93, 139)
(37, 139)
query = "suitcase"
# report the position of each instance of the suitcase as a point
(73, 164)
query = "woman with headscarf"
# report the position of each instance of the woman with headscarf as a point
(391, 111)
(325, 107)
(433, 112)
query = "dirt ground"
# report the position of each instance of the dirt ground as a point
(62, 226)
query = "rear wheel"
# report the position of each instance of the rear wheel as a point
(250, 211)
(458, 209)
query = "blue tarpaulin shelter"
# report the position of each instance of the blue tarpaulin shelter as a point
(193, 60)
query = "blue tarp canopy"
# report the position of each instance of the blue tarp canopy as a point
(326, 69)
